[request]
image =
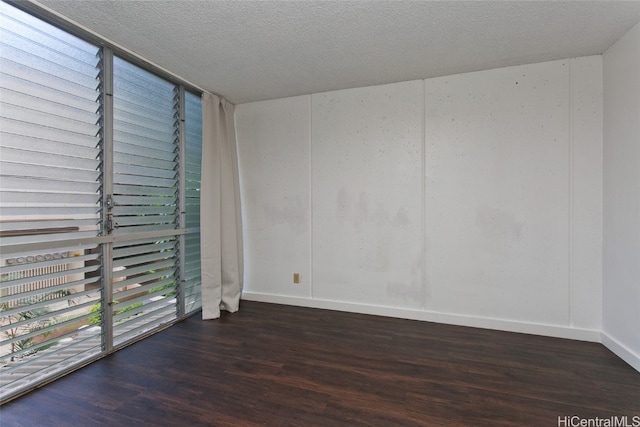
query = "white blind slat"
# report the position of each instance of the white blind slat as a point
(127, 159)
(143, 210)
(134, 170)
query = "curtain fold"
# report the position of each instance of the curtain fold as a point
(220, 215)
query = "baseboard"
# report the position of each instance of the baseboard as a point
(431, 316)
(621, 351)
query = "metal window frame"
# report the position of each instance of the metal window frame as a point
(107, 191)
(106, 240)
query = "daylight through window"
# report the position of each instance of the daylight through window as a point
(99, 201)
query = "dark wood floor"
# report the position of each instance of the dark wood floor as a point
(274, 365)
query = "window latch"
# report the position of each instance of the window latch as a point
(109, 223)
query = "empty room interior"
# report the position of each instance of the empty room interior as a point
(360, 213)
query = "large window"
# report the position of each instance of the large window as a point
(99, 201)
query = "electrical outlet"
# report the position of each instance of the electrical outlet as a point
(296, 278)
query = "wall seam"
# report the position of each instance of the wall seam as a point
(571, 195)
(423, 262)
(310, 203)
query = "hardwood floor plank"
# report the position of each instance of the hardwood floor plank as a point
(274, 365)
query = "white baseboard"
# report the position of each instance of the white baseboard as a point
(621, 351)
(431, 316)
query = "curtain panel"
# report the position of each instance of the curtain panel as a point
(220, 215)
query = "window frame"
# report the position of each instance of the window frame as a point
(106, 240)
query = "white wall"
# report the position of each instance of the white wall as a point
(621, 298)
(473, 199)
(367, 195)
(514, 186)
(274, 178)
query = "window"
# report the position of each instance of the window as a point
(193, 158)
(99, 201)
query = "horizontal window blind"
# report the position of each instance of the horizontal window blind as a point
(49, 167)
(191, 275)
(193, 159)
(92, 198)
(193, 137)
(145, 146)
(144, 286)
(46, 300)
(50, 179)
(145, 191)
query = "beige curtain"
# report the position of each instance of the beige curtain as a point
(220, 220)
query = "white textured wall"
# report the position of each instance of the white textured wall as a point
(273, 144)
(621, 299)
(502, 149)
(472, 199)
(366, 190)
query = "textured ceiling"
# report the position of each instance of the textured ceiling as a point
(255, 50)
